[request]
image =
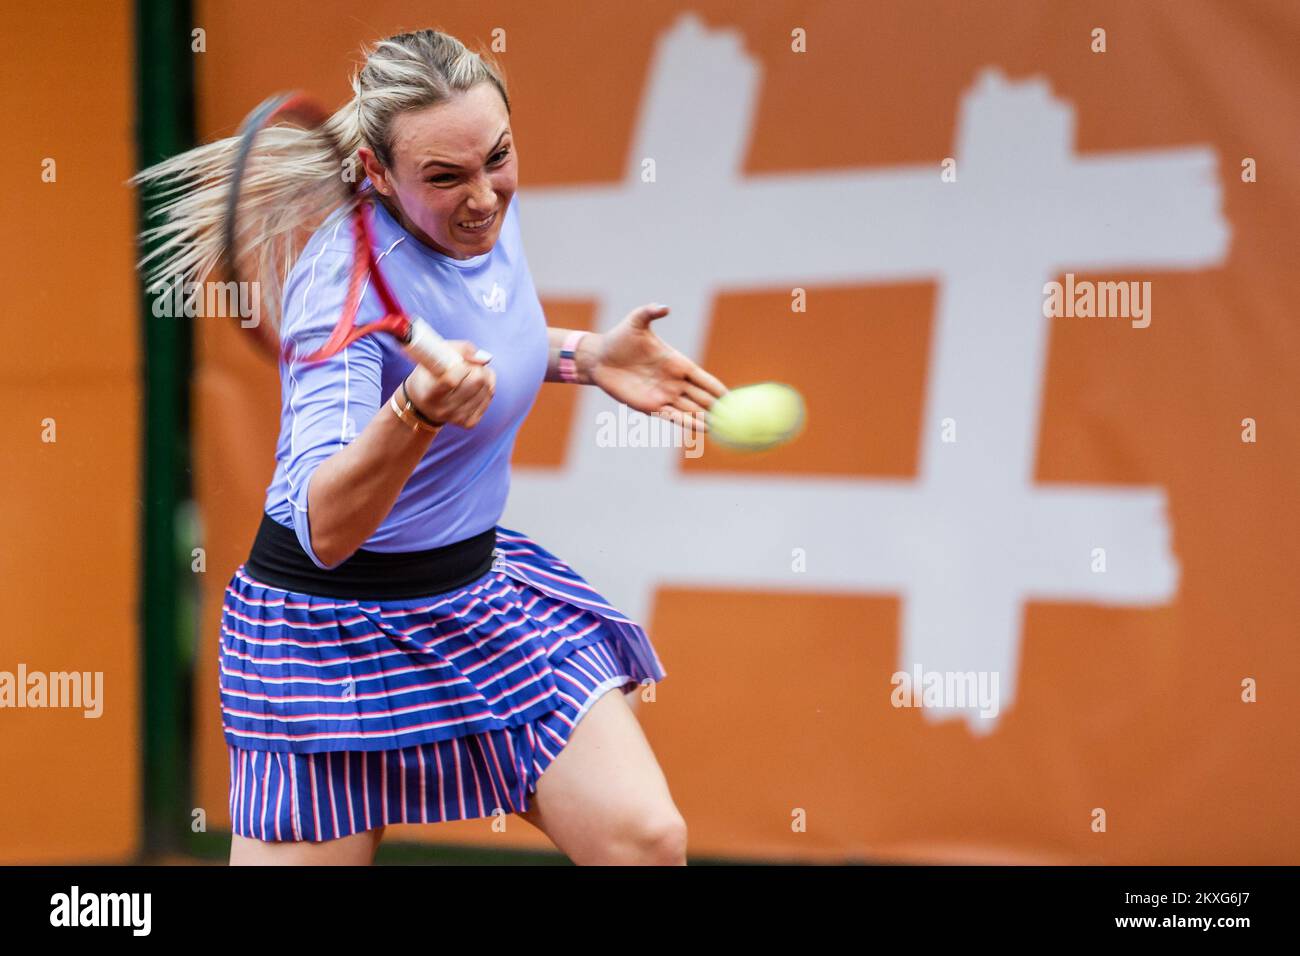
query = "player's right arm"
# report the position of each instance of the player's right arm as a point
(344, 481)
(352, 491)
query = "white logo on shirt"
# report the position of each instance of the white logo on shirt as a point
(495, 301)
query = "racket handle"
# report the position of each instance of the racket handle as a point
(430, 349)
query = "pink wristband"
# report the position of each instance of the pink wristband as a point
(568, 354)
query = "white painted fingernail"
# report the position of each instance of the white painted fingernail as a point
(483, 356)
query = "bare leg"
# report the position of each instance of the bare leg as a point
(604, 799)
(356, 850)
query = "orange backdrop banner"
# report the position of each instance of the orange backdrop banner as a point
(70, 385)
(1028, 264)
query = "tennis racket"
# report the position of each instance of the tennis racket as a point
(417, 337)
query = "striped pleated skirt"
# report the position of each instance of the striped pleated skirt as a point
(343, 715)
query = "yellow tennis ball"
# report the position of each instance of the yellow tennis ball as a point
(755, 417)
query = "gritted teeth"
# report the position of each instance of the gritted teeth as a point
(477, 223)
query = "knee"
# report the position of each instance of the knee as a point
(658, 840)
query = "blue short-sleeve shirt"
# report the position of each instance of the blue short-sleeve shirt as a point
(459, 487)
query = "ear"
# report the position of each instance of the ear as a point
(376, 170)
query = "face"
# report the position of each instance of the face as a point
(454, 172)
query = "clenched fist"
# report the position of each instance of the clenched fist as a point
(459, 396)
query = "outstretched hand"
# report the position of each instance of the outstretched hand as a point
(643, 371)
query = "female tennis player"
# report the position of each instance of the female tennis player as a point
(389, 653)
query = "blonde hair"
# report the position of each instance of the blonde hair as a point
(290, 183)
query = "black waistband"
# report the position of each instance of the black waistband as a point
(278, 559)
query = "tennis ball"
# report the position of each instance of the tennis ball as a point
(755, 417)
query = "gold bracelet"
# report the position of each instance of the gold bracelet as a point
(405, 414)
(410, 406)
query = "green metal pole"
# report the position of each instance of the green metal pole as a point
(164, 126)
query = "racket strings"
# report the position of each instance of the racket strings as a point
(274, 223)
(248, 206)
(365, 275)
(293, 181)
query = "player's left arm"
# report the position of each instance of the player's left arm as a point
(584, 358)
(634, 366)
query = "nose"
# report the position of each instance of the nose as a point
(482, 199)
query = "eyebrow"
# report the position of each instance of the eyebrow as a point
(439, 162)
